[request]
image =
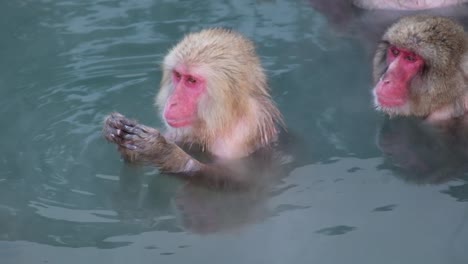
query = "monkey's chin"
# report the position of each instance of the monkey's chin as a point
(392, 109)
(179, 123)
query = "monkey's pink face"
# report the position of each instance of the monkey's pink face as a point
(393, 89)
(182, 106)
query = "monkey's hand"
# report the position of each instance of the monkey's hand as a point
(140, 143)
(130, 136)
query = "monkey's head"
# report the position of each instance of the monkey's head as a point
(417, 66)
(209, 79)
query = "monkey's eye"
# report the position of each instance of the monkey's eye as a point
(191, 80)
(411, 58)
(394, 51)
(177, 75)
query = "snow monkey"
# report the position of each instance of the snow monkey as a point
(421, 69)
(213, 95)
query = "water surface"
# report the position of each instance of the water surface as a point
(362, 188)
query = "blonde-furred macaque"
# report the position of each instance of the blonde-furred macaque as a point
(421, 69)
(214, 95)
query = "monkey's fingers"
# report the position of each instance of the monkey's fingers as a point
(109, 136)
(113, 120)
(126, 121)
(123, 140)
(114, 127)
(129, 146)
(141, 131)
(117, 120)
(135, 144)
(113, 135)
(129, 134)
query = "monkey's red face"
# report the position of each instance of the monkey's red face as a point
(181, 107)
(393, 89)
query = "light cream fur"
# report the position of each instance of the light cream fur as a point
(236, 115)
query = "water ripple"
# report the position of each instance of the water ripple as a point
(74, 215)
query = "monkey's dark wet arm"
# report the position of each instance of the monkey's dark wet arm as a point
(143, 144)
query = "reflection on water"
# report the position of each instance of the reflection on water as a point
(385, 208)
(65, 197)
(422, 153)
(335, 230)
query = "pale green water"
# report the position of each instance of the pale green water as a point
(65, 196)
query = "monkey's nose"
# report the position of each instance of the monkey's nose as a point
(384, 79)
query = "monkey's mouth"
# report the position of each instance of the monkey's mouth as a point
(389, 102)
(182, 122)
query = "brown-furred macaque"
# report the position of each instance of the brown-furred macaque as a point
(421, 69)
(213, 95)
